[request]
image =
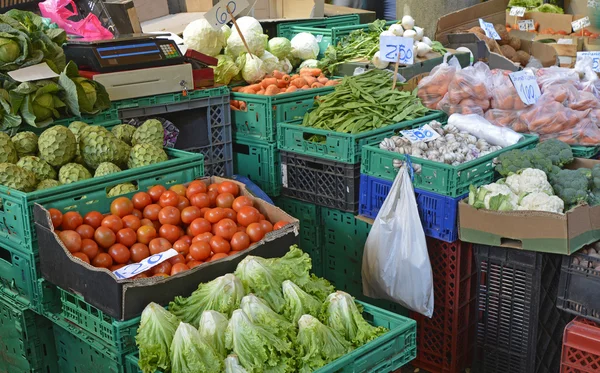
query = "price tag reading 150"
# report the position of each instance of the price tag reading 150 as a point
(526, 86)
(218, 15)
(135, 269)
(423, 134)
(392, 46)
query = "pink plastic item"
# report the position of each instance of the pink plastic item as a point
(89, 28)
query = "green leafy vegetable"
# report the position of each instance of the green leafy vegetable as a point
(212, 329)
(232, 365)
(225, 70)
(190, 353)
(154, 336)
(261, 314)
(16, 50)
(298, 302)
(222, 294)
(318, 345)
(82, 95)
(341, 313)
(38, 102)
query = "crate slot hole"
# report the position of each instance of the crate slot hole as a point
(5, 255)
(511, 242)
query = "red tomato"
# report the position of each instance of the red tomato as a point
(240, 241)
(147, 222)
(169, 215)
(141, 200)
(119, 253)
(127, 237)
(189, 257)
(93, 219)
(139, 252)
(169, 198)
(56, 217)
(266, 226)
(159, 245)
(200, 225)
(194, 188)
(228, 187)
(151, 212)
(71, 240)
(164, 267)
(183, 203)
(200, 200)
(177, 259)
(114, 267)
(137, 213)
(255, 232)
(280, 224)
(261, 217)
(230, 214)
(155, 192)
(212, 196)
(121, 207)
(105, 237)
(85, 231)
(225, 200)
(145, 234)
(190, 213)
(200, 251)
(213, 187)
(217, 256)
(194, 263)
(181, 246)
(214, 215)
(225, 228)
(132, 222)
(187, 239)
(82, 257)
(219, 245)
(71, 220)
(204, 210)
(89, 248)
(240, 202)
(248, 215)
(112, 222)
(102, 260)
(163, 275)
(179, 189)
(203, 237)
(170, 232)
(179, 267)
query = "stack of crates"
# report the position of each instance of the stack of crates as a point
(581, 347)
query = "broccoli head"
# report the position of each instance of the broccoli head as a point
(572, 186)
(596, 178)
(516, 160)
(557, 151)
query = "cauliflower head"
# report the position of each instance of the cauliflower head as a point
(529, 180)
(540, 201)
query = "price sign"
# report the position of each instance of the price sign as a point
(593, 3)
(392, 46)
(595, 56)
(489, 29)
(135, 269)
(423, 134)
(580, 23)
(218, 15)
(517, 11)
(526, 86)
(526, 25)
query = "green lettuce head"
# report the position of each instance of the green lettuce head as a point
(261, 314)
(38, 102)
(298, 302)
(232, 365)
(225, 70)
(318, 344)
(191, 353)
(10, 50)
(154, 336)
(16, 50)
(280, 47)
(83, 96)
(212, 329)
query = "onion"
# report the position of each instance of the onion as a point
(410, 34)
(387, 33)
(427, 41)
(419, 31)
(422, 49)
(397, 29)
(408, 22)
(378, 63)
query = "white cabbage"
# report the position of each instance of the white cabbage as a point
(305, 46)
(257, 44)
(253, 69)
(201, 37)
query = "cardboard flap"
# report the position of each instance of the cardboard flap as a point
(490, 11)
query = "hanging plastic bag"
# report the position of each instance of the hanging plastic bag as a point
(395, 263)
(59, 11)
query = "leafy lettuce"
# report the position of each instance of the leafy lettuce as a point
(232, 365)
(298, 302)
(190, 353)
(154, 336)
(260, 313)
(212, 329)
(318, 345)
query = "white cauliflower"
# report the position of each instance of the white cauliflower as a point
(540, 201)
(529, 180)
(495, 189)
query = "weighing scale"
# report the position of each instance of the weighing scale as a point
(126, 52)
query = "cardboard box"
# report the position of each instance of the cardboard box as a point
(124, 16)
(197, 5)
(125, 299)
(530, 230)
(557, 22)
(151, 9)
(566, 46)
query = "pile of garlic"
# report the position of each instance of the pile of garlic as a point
(453, 147)
(407, 29)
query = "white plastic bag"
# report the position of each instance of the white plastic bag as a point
(481, 128)
(395, 263)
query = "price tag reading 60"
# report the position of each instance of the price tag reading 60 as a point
(219, 14)
(392, 47)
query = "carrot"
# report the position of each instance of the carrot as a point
(267, 82)
(243, 106)
(312, 72)
(236, 89)
(331, 82)
(235, 108)
(322, 79)
(316, 85)
(282, 83)
(261, 92)
(298, 82)
(247, 90)
(310, 79)
(291, 88)
(255, 87)
(286, 78)
(305, 87)
(278, 74)
(272, 90)
(295, 76)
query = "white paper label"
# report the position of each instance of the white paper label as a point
(565, 41)
(593, 3)
(517, 11)
(218, 15)
(31, 73)
(526, 25)
(595, 56)
(423, 134)
(580, 23)
(284, 181)
(526, 86)
(135, 269)
(489, 29)
(391, 46)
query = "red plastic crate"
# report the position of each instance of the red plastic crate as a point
(581, 347)
(445, 342)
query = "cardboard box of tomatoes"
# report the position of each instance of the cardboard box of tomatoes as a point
(122, 253)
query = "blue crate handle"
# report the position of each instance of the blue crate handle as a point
(253, 188)
(411, 170)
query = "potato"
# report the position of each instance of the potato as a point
(523, 57)
(476, 30)
(504, 36)
(508, 52)
(490, 43)
(515, 43)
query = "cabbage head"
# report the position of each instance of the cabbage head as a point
(38, 102)
(309, 63)
(305, 46)
(226, 32)
(270, 62)
(191, 353)
(225, 70)
(280, 47)
(154, 337)
(257, 43)
(10, 50)
(16, 49)
(285, 66)
(201, 37)
(318, 344)
(248, 24)
(253, 69)
(83, 96)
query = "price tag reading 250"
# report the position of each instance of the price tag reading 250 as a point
(526, 86)
(218, 15)
(135, 269)
(392, 46)
(423, 134)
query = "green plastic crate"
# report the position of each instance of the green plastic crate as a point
(169, 98)
(441, 178)
(262, 114)
(585, 151)
(338, 146)
(102, 117)
(26, 340)
(16, 217)
(80, 352)
(387, 353)
(119, 335)
(259, 161)
(330, 36)
(285, 29)
(311, 230)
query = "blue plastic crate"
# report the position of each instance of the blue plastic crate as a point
(438, 213)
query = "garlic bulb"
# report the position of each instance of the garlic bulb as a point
(397, 29)
(408, 22)
(378, 63)
(387, 144)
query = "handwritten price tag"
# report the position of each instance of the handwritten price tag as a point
(580, 23)
(526, 86)
(595, 56)
(391, 46)
(489, 29)
(423, 134)
(135, 269)
(526, 25)
(517, 11)
(218, 15)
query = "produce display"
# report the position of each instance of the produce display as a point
(453, 147)
(279, 82)
(364, 44)
(62, 155)
(271, 315)
(536, 6)
(364, 102)
(203, 223)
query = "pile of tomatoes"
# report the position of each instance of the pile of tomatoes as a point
(203, 223)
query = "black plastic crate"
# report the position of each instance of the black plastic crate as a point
(320, 181)
(579, 285)
(519, 328)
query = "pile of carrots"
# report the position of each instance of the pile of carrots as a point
(279, 82)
